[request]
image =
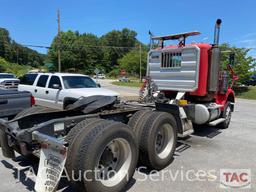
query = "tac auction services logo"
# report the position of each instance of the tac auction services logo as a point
(235, 178)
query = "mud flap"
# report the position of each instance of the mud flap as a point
(184, 124)
(52, 161)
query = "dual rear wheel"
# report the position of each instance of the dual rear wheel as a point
(156, 134)
(103, 154)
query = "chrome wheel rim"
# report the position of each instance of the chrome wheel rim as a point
(164, 141)
(228, 114)
(114, 162)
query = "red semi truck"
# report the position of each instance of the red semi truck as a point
(193, 76)
(99, 140)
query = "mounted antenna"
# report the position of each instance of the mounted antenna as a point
(151, 41)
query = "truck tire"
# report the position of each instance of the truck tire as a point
(71, 139)
(76, 129)
(107, 149)
(157, 139)
(34, 110)
(136, 120)
(227, 113)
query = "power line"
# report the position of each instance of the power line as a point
(101, 46)
(36, 46)
(108, 46)
(92, 46)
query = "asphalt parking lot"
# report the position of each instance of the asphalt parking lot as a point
(196, 165)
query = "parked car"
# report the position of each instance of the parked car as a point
(124, 79)
(58, 90)
(13, 102)
(251, 81)
(99, 76)
(8, 81)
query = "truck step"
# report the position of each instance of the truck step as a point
(217, 121)
(214, 107)
(186, 133)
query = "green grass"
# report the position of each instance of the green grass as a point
(250, 94)
(128, 84)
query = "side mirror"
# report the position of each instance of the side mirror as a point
(56, 86)
(98, 85)
(232, 59)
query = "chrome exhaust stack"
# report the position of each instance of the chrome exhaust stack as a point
(214, 65)
(217, 32)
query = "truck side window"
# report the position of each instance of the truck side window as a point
(42, 81)
(28, 79)
(54, 80)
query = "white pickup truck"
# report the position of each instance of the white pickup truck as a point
(8, 81)
(58, 90)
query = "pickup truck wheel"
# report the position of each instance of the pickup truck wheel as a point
(34, 110)
(227, 113)
(106, 157)
(157, 140)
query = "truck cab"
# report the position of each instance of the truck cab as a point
(193, 73)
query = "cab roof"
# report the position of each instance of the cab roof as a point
(176, 36)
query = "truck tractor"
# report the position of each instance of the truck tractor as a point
(98, 141)
(191, 76)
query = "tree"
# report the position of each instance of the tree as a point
(117, 43)
(16, 53)
(13, 68)
(80, 52)
(68, 52)
(85, 52)
(131, 62)
(5, 44)
(90, 53)
(243, 62)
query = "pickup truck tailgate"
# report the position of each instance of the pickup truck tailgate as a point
(12, 102)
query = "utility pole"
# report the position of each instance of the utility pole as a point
(140, 64)
(59, 41)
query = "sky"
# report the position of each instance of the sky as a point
(35, 21)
